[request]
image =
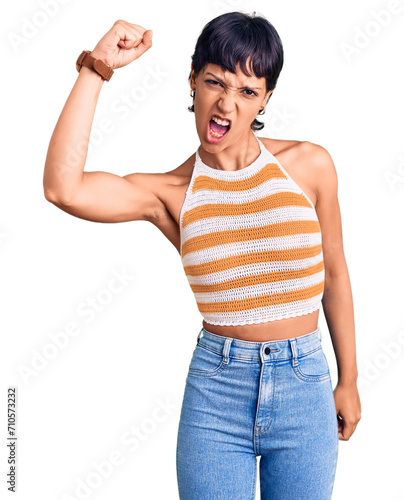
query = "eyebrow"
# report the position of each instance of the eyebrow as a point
(244, 87)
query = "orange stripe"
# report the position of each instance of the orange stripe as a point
(247, 258)
(286, 228)
(276, 200)
(260, 301)
(258, 279)
(269, 171)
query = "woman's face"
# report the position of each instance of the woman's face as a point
(234, 98)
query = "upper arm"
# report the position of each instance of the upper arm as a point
(106, 197)
(327, 209)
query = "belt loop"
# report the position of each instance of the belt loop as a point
(199, 336)
(320, 336)
(293, 347)
(226, 349)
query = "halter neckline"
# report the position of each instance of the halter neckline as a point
(257, 161)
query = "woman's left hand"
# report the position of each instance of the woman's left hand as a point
(348, 407)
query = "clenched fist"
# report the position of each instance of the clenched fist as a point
(123, 43)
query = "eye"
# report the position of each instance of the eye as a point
(252, 92)
(212, 81)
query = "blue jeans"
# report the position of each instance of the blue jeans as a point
(244, 400)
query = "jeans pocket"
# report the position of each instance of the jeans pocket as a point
(312, 367)
(205, 362)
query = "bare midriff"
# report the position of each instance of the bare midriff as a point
(271, 330)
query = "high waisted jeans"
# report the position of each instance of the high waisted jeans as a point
(244, 400)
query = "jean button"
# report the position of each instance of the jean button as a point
(267, 350)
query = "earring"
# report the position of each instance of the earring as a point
(261, 111)
(192, 93)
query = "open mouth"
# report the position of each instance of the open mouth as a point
(218, 127)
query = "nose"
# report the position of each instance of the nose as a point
(226, 103)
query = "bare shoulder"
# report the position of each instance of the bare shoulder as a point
(306, 151)
(277, 146)
(320, 163)
(305, 160)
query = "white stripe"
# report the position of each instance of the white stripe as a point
(252, 269)
(222, 251)
(227, 223)
(258, 290)
(267, 188)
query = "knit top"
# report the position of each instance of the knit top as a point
(250, 243)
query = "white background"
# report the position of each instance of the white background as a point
(126, 368)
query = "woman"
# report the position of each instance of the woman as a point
(256, 222)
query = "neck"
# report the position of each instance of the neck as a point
(234, 157)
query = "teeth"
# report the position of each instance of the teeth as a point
(214, 133)
(220, 122)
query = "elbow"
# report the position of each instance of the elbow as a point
(52, 190)
(49, 195)
(52, 196)
(56, 198)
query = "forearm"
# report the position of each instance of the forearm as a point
(68, 147)
(339, 313)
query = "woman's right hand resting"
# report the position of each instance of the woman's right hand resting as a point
(123, 43)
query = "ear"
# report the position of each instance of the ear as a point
(192, 81)
(267, 96)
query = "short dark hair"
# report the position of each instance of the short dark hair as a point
(232, 38)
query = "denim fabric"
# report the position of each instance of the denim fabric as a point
(244, 400)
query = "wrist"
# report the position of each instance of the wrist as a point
(348, 379)
(90, 74)
(96, 64)
(101, 57)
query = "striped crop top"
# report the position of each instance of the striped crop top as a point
(251, 244)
